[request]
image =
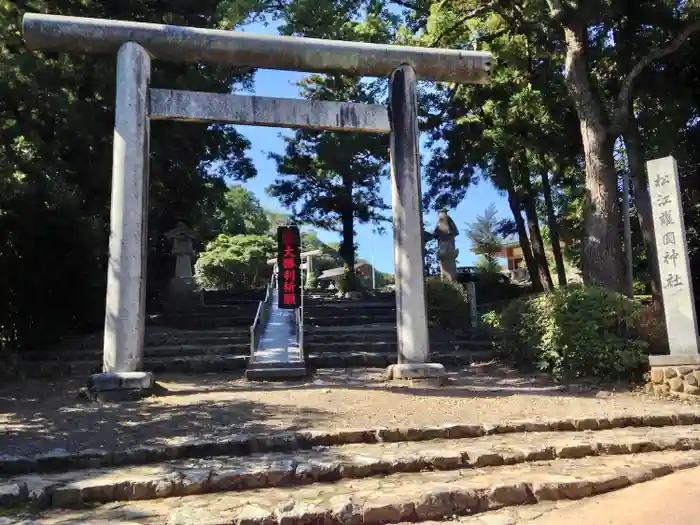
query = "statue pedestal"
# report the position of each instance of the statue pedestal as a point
(183, 292)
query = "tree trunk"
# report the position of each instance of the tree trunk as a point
(347, 245)
(538, 250)
(553, 230)
(642, 200)
(602, 261)
(514, 203)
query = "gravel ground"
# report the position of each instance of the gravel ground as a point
(38, 416)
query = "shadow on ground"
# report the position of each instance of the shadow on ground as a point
(37, 416)
(43, 416)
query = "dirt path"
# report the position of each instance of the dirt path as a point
(40, 416)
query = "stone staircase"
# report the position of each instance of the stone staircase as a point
(215, 337)
(361, 476)
(345, 333)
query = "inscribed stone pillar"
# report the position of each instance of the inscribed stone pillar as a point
(446, 231)
(669, 371)
(125, 310)
(411, 317)
(674, 264)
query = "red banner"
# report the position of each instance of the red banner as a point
(289, 267)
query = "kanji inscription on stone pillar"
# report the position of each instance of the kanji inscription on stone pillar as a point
(674, 264)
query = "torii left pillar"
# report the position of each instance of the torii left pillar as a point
(122, 376)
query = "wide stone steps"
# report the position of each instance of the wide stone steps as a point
(349, 319)
(365, 342)
(241, 347)
(187, 322)
(212, 362)
(368, 476)
(156, 352)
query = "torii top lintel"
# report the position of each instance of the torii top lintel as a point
(238, 49)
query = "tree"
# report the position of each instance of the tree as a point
(604, 111)
(237, 262)
(498, 131)
(602, 49)
(333, 178)
(241, 213)
(56, 130)
(486, 242)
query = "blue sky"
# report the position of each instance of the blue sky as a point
(264, 140)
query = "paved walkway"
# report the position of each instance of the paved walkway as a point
(674, 499)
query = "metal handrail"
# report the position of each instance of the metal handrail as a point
(300, 322)
(261, 317)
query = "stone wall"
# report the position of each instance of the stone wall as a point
(675, 379)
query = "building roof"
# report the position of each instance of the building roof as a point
(338, 272)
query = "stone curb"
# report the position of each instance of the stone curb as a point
(244, 444)
(271, 472)
(437, 502)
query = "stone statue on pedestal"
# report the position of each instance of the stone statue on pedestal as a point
(183, 289)
(445, 232)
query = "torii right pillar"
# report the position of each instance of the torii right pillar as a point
(407, 210)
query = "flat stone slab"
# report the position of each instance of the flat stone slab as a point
(406, 497)
(330, 464)
(245, 444)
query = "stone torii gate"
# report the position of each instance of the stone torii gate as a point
(137, 103)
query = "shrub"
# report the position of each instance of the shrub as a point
(492, 289)
(652, 328)
(349, 281)
(573, 333)
(447, 303)
(236, 262)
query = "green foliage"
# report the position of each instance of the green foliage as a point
(56, 134)
(430, 260)
(331, 180)
(486, 241)
(577, 332)
(490, 288)
(447, 304)
(236, 262)
(241, 213)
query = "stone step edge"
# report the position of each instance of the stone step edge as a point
(284, 472)
(439, 501)
(246, 444)
(337, 358)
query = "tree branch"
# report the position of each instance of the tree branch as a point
(472, 13)
(623, 97)
(407, 5)
(556, 9)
